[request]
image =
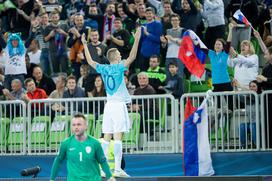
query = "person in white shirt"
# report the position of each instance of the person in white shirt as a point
(34, 52)
(245, 64)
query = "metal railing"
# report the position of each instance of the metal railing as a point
(152, 126)
(13, 127)
(238, 121)
(266, 119)
(233, 120)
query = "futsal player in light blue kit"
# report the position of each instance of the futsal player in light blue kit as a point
(115, 119)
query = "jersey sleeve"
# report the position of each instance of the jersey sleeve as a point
(58, 160)
(100, 68)
(102, 160)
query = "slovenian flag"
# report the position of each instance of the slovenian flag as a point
(196, 148)
(241, 17)
(192, 52)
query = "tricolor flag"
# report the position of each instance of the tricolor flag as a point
(241, 17)
(192, 52)
(196, 148)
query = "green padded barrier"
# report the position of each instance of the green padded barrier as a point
(59, 130)
(162, 114)
(132, 137)
(90, 118)
(39, 132)
(98, 129)
(16, 134)
(4, 127)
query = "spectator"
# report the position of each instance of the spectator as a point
(60, 88)
(188, 13)
(97, 50)
(144, 107)
(105, 22)
(19, 18)
(34, 52)
(17, 93)
(15, 65)
(128, 23)
(174, 83)
(73, 92)
(17, 90)
(99, 90)
(136, 12)
(86, 81)
(72, 89)
(75, 45)
(249, 127)
(56, 33)
(37, 33)
(29, 67)
(245, 64)
(219, 62)
(42, 81)
(166, 18)
(58, 93)
(119, 39)
(172, 40)
(73, 7)
(213, 12)
(93, 24)
(150, 39)
(129, 85)
(156, 75)
(240, 31)
(51, 6)
(34, 93)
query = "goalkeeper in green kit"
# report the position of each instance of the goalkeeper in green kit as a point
(83, 154)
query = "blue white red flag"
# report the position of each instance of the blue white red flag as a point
(241, 17)
(192, 52)
(196, 148)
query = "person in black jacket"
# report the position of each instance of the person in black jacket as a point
(43, 81)
(174, 83)
(74, 43)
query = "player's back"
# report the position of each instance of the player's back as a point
(113, 77)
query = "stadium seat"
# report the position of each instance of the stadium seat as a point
(39, 132)
(90, 118)
(4, 127)
(162, 114)
(132, 137)
(59, 130)
(98, 127)
(17, 134)
(219, 131)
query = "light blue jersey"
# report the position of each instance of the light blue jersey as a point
(113, 77)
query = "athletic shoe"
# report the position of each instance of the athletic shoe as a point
(120, 173)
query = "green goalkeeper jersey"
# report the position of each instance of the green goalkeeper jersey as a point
(83, 159)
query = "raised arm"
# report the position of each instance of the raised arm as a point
(87, 53)
(133, 52)
(260, 41)
(227, 48)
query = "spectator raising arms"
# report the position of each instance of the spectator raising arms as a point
(15, 65)
(56, 34)
(245, 64)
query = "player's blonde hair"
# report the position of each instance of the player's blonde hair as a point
(111, 54)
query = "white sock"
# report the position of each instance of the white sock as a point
(105, 146)
(118, 149)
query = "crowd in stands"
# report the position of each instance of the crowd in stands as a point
(41, 42)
